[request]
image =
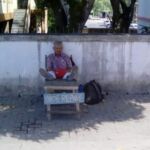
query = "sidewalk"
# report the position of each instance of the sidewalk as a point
(122, 122)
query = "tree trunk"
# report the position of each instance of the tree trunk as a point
(122, 15)
(60, 16)
(116, 13)
(78, 14)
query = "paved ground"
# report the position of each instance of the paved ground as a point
(122, 122)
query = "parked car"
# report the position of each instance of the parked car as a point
(133, 26)
(143, 29)
(98, 23)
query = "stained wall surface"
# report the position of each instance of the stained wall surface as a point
(118, 62)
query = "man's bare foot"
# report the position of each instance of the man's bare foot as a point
(45, 74)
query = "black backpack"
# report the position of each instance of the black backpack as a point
(93, 93)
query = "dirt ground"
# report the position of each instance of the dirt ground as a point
(121, 122)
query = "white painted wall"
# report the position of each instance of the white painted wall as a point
(32, 4)
(116, 65)
(7, 6)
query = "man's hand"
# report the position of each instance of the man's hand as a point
(69, 69)
(49, 69)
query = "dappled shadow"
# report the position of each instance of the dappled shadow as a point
(115, 108)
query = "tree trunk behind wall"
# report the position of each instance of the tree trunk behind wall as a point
(78, 12)
(122, 15)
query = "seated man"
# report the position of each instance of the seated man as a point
(59, 65)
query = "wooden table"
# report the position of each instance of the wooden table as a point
(51, 97)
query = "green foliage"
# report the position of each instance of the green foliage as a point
(51, 21)
(40, 3)
(100, 6)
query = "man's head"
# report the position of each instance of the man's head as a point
(58, 47)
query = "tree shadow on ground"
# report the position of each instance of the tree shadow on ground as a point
(115, 108)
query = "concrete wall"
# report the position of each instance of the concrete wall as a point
(119, 63)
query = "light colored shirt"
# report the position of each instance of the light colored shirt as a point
(59, 62)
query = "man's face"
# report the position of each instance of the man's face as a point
(58, 49)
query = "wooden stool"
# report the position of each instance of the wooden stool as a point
(62, 98)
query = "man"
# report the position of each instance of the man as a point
(59, 65)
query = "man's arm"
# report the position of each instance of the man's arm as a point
(69, 64)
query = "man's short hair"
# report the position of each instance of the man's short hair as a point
(58, 43)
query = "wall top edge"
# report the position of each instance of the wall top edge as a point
(77, 38)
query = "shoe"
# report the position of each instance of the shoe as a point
(70, 79)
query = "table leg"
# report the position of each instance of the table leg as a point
(49, 112)
(77, 107)
(78, 110)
